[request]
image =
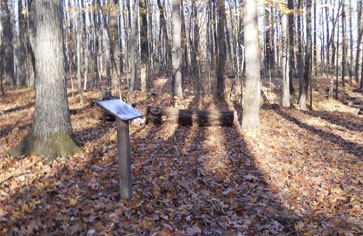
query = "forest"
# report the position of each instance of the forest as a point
(252, 117)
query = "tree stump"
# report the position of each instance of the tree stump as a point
(159, 115)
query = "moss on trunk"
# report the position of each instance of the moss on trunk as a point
(53, 145)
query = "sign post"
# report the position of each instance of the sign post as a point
(124, 113)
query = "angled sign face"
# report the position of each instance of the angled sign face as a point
(120, 109)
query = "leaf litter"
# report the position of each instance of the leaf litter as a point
(300, 176)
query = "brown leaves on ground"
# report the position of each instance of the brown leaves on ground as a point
(301, 176)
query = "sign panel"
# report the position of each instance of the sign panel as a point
(120, 109)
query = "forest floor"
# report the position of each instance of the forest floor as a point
(301, 175)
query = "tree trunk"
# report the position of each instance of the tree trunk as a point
(303, 91)
(143, 44)
(299, 56)
(285, 64)
(176, 50)
(343, 46)
(165, 33)
(337, 64)
(360, 34)
(79, 63)
(8, 44)
(1, 56)
(51, 132)
(222, 49)
(157, 115)
(251, 111)
(291, 45)
(133, 50)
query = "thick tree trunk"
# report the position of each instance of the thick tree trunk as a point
(303, 91)
(252, 97)
(176, 50)
(222, 49)
(158, 115)
(285, 64)
(51, 132)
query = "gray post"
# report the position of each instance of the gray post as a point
(124, 159)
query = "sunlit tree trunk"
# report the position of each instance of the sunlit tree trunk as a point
(51, 132)
(285, 63)
(176, 50)
(251, 108)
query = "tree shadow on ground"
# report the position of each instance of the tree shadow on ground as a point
(5, 131)
(192, 181)
(348, 146)
(19, 108)
(336, 120)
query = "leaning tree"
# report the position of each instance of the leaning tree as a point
(51, 132)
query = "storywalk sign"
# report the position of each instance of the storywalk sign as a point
(123, 113)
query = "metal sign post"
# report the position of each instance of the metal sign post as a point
(124, 113)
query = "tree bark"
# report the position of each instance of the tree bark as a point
(303, 91)
(144, 45)
(251, 111)
(176, 50)
(343, 46)
(165, 34)
(360, 34)
(285, 64)
(1, 56)
(133, 50)
(158, 115)
(51, 132)
(291, 45)
(8, 44)
(222, 49)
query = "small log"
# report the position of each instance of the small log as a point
(159, 115)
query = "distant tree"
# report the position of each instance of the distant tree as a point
(176, 50)
(51, 132)
(251, 108)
